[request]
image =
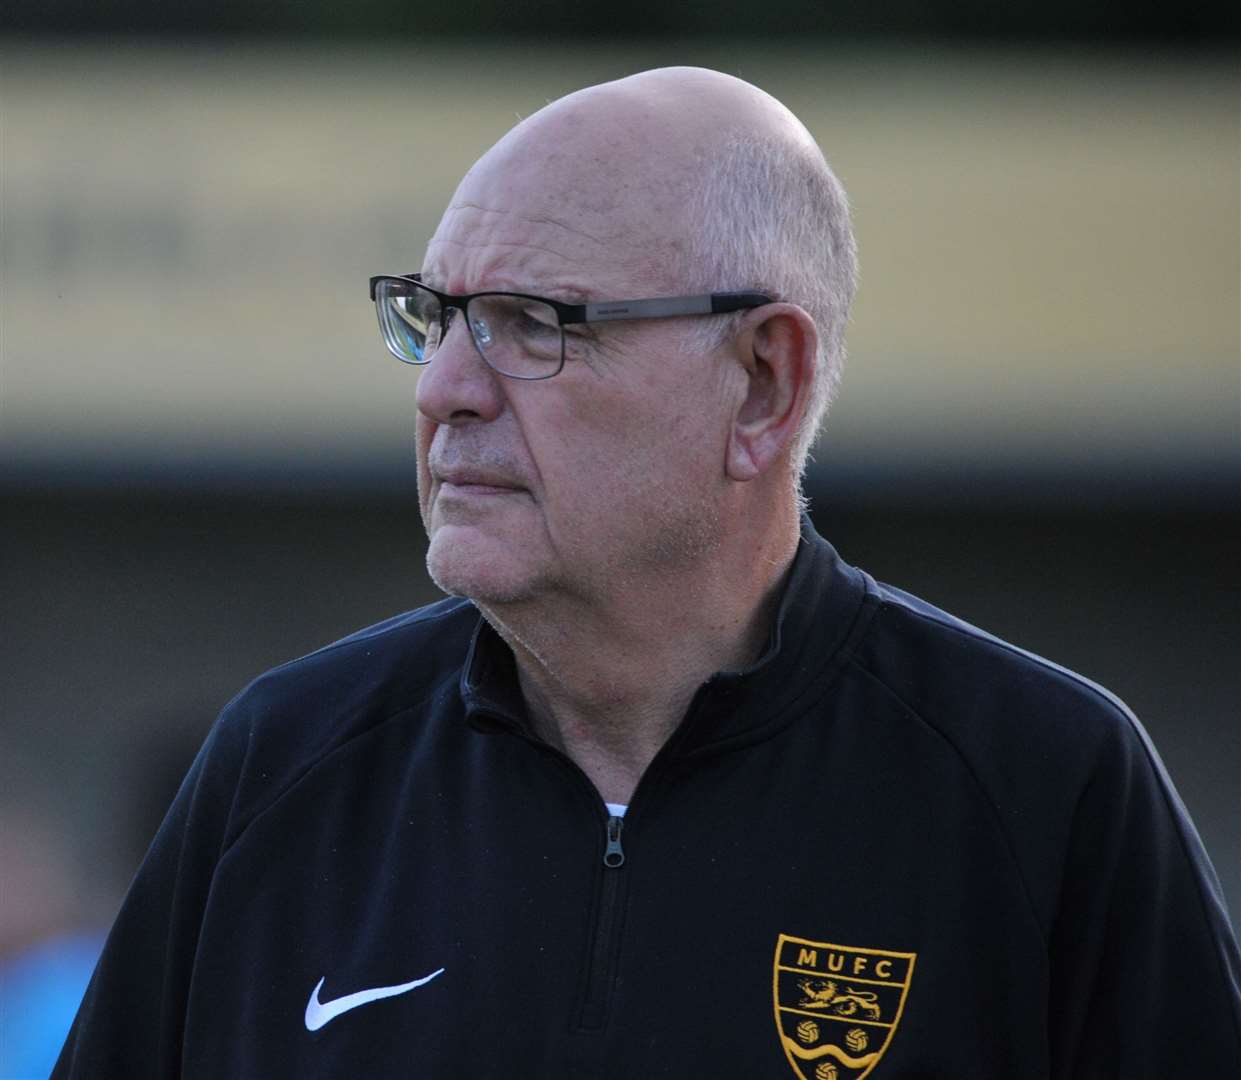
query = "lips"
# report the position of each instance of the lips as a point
(461, 465)
(466, 481)
(477, 478)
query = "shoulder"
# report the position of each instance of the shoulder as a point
(1109, 860)
(293, 717)
(380, 667)
(985, 694)
(1060, 763)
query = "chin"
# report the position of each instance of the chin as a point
(460, 568)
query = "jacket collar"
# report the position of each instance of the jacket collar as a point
(820, 612)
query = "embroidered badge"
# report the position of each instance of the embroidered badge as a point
(837, 1006)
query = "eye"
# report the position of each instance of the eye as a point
(538, 318)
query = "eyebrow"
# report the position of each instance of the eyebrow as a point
(573, 294)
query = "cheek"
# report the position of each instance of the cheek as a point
(627, 460)
(424, 432)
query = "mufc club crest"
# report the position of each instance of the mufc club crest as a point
(837, 1006)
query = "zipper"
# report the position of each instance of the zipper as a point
(599, 976)
(605, 928)
(614, 854)
(590, 1009)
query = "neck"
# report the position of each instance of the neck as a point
(608, 681)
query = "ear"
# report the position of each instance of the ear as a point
(776, 348)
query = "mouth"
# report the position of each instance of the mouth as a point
(448, 489)
(476, 483)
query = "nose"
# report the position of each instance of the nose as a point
(457, 386)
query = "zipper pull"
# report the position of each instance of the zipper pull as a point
(614, 854)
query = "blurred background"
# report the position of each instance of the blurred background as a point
(206, 454)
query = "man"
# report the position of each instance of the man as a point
(675, 791)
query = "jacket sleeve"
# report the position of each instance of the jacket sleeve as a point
(132, 1017)
(1144, 965)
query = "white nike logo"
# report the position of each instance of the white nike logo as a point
(319, 1013)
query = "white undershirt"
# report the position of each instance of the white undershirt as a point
(616, 809)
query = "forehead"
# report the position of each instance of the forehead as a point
(477, 247)
(538, 215)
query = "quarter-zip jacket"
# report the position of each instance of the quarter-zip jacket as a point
(896, 846)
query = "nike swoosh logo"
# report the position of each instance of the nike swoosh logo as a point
(319, 1012)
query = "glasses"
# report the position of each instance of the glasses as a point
(517, 335)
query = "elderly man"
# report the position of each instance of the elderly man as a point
(669, 789)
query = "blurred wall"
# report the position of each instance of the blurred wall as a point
(1049, 251)
(205, 453)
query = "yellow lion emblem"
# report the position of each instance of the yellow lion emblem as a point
(826, 994)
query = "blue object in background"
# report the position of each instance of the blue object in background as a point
(40, 990)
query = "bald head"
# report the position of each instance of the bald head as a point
(673, 181)
(657, 125)
(623, 160)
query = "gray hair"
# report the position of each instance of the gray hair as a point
(769, 214)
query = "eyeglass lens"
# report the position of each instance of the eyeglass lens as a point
(517, 336)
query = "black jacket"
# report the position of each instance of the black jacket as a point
(895, 847)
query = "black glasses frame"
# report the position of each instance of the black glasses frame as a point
(718, 303)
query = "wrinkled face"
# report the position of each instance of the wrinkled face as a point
(606, 476)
